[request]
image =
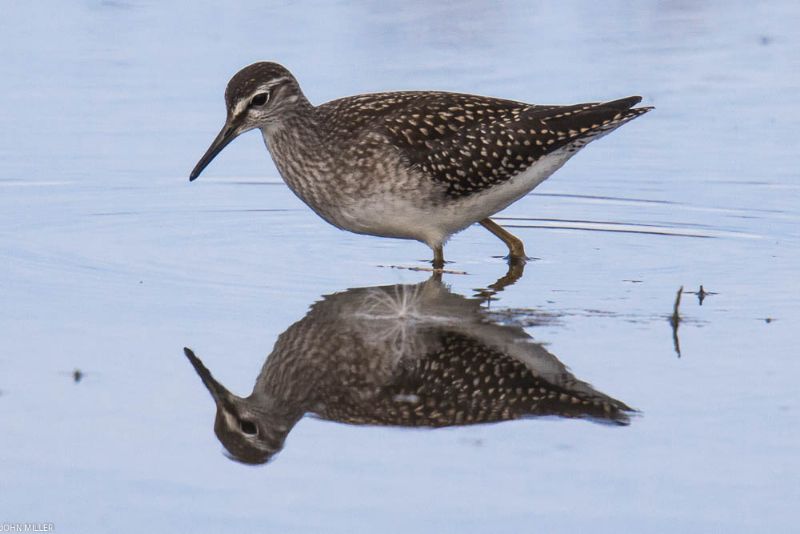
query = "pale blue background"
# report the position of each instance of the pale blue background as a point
(111, 262)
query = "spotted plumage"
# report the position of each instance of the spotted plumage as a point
(415, 356)
(466, 382)
(414, 165)
(471, 143)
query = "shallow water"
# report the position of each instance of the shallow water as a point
(112, 263)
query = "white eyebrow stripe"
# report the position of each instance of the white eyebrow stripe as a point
(242, 105)
(277, 81)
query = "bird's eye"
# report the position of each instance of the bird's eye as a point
(248, 427)
(260, 99)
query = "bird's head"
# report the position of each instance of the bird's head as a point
(259, 95)
(249, 433)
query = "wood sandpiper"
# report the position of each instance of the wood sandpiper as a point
(417, 165)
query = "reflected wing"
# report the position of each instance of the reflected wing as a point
(465, 382)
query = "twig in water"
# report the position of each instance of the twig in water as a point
(675, 321)
(424, 269)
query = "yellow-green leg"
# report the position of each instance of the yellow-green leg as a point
(438, 257)
(516, 250)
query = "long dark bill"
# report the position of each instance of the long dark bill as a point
(225, 136)
(217, 390)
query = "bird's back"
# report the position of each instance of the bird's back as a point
(469, 143)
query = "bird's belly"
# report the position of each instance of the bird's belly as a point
(385, 216)
(464, 211)
(419, 209)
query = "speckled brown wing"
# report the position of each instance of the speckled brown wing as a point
(470, 143)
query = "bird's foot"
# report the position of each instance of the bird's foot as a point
(513, 259)
(518, 259)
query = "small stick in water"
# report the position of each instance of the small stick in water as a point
(675, 321)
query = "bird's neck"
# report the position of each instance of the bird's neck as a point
(298, 127)
(298, 148)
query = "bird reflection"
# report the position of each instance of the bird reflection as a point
(401, 355)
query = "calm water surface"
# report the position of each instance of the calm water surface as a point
(111, 263)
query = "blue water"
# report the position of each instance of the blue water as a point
(111, 262)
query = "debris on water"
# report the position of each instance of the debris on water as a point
(676, 316)
(525, 317)
(675, 321)
(701, 294)
(424, 269)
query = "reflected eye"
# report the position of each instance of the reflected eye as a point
(248, 427)
(259, 100)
